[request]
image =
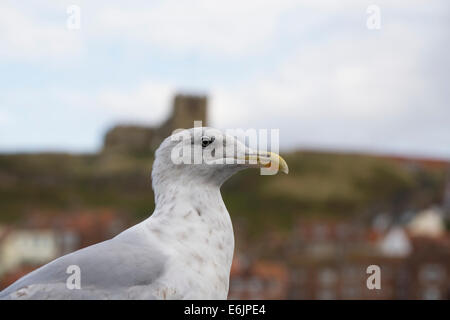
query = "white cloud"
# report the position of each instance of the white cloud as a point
(147, 103)
(220, 28)
(358, 90)
(228, 28)
(5, 118)
(231, 27)
(27, 37)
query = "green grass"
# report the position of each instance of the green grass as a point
(340, 186)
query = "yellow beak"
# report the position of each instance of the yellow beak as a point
(268, 160)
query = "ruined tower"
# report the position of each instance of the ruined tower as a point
(187, 109)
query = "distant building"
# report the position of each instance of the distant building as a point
(258, 280)
(446, 200)
(395, 243)
(45, 236)
(428, 223)
(130, 138)
(328, 260)
(32, 247)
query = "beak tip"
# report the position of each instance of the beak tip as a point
(284, 168)
(283, 165)
(277, 159)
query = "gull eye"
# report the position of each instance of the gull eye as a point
(206, 141)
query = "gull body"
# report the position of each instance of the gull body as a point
(184, 250)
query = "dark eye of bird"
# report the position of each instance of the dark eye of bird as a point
(206, 141)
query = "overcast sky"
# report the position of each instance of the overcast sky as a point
(312, 69)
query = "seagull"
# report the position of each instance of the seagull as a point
(184, 250)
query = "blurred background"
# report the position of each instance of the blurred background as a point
(359, 91)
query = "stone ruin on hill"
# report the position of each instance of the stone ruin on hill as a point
(133, 138)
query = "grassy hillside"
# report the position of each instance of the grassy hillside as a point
(319, 184)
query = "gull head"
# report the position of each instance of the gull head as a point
(208, 155)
